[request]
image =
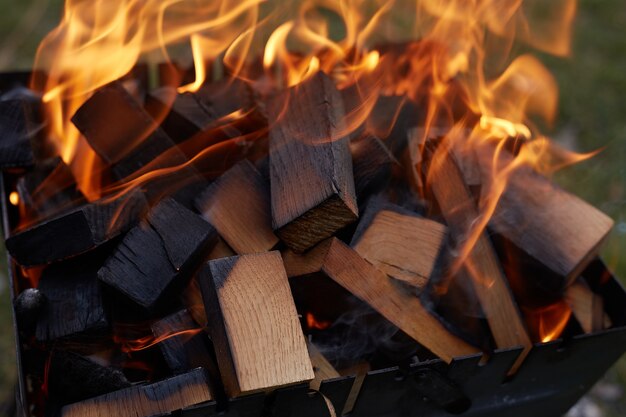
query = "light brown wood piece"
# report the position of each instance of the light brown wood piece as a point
(558, 229)
(255, 327)
(322, 368)
(238, 205)
(402, 246)
(587, 306)
(458, 208)
(312, 184)
(405, 310)
(146, 400)
(360, 372)
(299, 264)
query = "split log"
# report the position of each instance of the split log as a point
(76, 231)
(184, 345)
(458, 209)
(238, 205)
(587, 306)
(372, 164)
(158, 255)
(552, 226)
(401, 244)
(321, 367)
(255, 327)
(146, 400)
(312, 187)
(405, 310)
(18, 125)
(74, 305)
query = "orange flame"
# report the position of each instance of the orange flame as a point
(142, 343)
(547, 323)
(314, 323)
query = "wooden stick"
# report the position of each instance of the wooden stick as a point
(400, 244)
(255, 326)
(458, 208)
(405, 310)
(587, 307)
(321, 367)
(238, 205)
(311, 179)
(146, 400)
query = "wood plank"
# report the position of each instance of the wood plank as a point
(587, 306)
(405, 310)
(458, 209)
(403, 246)
(256, 331)
(147, 399)
(238, 205)
(372, 163)
(77, 231)
(312, 187)
(321, 367)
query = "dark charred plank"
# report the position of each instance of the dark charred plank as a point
(28, 306)
(18, 125)
(158, 255)
(147, 399)
(238, 205)
(72, 377)
(372, 164)
(74, 305)
(312, 186)
(76, 231)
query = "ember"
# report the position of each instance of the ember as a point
(344, 197)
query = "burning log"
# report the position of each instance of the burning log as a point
(17, 127)
(405, 310)
(237, 204)
(311, 179)
(146, 400)
(458, 208)
(255, 327)
(74, 305)
(372, 163)
(401, 244)
(321, 367)
(27, 306)
(587, 307)
(158, 255)
(121, 132)
(82, 229)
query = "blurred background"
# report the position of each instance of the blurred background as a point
(592, 116)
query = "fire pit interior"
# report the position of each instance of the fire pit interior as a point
(339, 208)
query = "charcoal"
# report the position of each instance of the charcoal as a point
(18, 126)
(28, 305)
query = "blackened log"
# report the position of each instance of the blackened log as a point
(158, 255)
(146, 400)
(28, 305)
(72, 377)
(372, 165)
(74, 306)
(77, 231)
(18, 125)
(312, 186)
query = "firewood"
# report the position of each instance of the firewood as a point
(372, 163)
(76, 231)
(18, 126)
(27, 307)
(158, 255)
(401, 244)
(312, 187)
(587, 306)
(255, 327)
(458, 209)
(558, 229)
(321, 367)
(146, 399)
(74, 304)
(238, 205)
(72, 377)
(188, 349)
(299, 264)
(405, 310)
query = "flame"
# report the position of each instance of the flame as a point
(142, 343)
(14, 198)
(314, 323)
(547, 323)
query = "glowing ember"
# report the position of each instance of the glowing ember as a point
(142, 343)
(313, 323)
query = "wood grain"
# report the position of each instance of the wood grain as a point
(312, 185)
(405, 310)
(587, 307)
(255, 326)
(458, 208)
(404, 247)
(238, 205)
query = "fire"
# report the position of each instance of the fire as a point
(314, 323)
(142, 343)
(547, 323)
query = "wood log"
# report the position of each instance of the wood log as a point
(27, 307)
(74, 305)
(77, 231)
(18, 125)
(256, 331)
(405, 310)
(458, 209)
(312, 187)
(372, 164)
(238, 205)
(587, 306)
(321, 367)
(401, 244)
(554, 227)
(146, 400)
(158, 255)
